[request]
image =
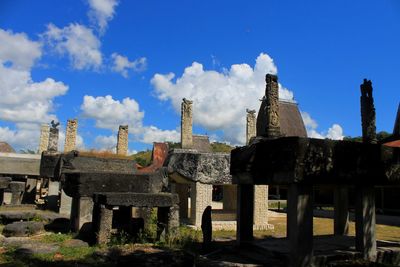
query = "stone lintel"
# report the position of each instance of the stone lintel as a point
(137, 199)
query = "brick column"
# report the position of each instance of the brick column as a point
(70, 135)
(44, 138)
(122, 143)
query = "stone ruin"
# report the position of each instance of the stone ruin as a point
(196, 167)
(70, 135)
(122, 142)
(303, 163)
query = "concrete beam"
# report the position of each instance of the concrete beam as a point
(20, 164)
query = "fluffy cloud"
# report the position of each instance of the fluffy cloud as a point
(101, 12)
(109, 114)
(220, 98)
(108, 143)
(122, 65)
(335, 132)
(23, 101)
(78, 42)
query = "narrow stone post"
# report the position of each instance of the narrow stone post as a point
(30, 191)
(65, 204)
(81, 213)
(365, 222)
(44, 138)
(341, 210)
(365, 195)
(53, 195)
(186, 123)
(250, 125)
(183, 193)
(70, 135)
(17, 191)
(53, 138)
(200, 198)
(122, 143)
(167, 221)
(245, 205)
(102, 223)
(300, 224)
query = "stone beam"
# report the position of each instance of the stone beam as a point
(20, 164)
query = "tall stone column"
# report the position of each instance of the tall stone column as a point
(244, 227)
(268, 124)
(182, 191)
(200, 198)
(229, 200)
(122, 143)
(70, 135)
(44, 138)
(250, 125)
(53, 138)
(186, 123)
(365, 198)
(341, 210)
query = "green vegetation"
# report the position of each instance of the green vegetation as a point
(379, 136)
(143, 158)
(221, 147)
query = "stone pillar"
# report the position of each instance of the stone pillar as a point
(70, 135)
(268, 124)
(244, 231)
(365, 222)
(183, 193)
(81, 213)
(167, 221)
(122, 142)
(260, 205)
(17, 191)
(341, 210)
(65, 204)
(300, 224)
(186, 123)
(367, 113)
(229, 197)
(102, 223)
(4, 184)
(30, 191)
(53, 139)
(53, 195)
(200, 198)
(250, 125)
(44, 138)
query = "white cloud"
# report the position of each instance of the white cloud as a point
(78, 42)
(335, 132)
(122, 65)
(109, 114)
(220, 98)
(25, 102)
(107, 143)
(101, 12)
(18, 50)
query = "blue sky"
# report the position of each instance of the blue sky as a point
(135, 60)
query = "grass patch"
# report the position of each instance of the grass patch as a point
(56, 238)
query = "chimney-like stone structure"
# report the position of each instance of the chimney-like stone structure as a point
(268, 124)
(250, 125)
(186, 123)
(53, 137)
(396, 129)
(122, 143)
(44, 138)
(70, 135)
(368, 113)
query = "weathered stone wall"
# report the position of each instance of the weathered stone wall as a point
(44, 138)
(186, 123)
(250, 125)
(122, 143)
(70, 135)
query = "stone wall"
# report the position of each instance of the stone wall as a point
(70, 135)
(122, 143)
(44, 138)
(186, 123)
